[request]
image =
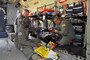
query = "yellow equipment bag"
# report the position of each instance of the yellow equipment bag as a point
(42, 51)
(45, 53)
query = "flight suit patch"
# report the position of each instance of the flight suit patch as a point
(20, 33)
(63, 25)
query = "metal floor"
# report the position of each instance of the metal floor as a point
(9, 51)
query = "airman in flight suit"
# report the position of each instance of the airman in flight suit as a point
(21, 31)
(65, 28)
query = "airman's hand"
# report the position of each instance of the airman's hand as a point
(56, 31)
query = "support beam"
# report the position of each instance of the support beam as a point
(88, 33)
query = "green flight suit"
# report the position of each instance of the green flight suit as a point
(67, 32)
(21, 33)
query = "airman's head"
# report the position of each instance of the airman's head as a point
(25, 12)
(57, 20)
